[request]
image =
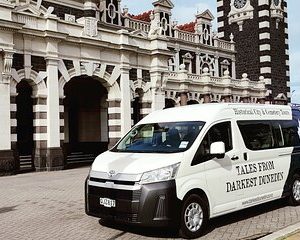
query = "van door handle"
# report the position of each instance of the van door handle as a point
(234, 158)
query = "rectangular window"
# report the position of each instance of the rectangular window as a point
(170, 137)
(290, 133)
(278, 134)
(257, 135)
(220, 132)
(262, 135)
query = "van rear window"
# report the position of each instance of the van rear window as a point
(262, 135)
(160, 137)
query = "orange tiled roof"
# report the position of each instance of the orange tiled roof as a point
(188, 27)
(143, 16)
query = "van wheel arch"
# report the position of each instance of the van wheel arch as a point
(201, 194)
(194, 215)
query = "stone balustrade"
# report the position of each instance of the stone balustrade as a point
(139, 25)
(199, 83)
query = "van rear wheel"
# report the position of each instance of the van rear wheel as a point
(194, 217)
(295, 191)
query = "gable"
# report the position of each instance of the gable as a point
(165, 3)
(207, 15)
(33, 8)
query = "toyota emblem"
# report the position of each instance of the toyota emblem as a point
(111, 173)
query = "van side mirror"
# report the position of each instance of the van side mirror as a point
(217, 150)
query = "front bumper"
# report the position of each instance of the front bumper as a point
(154, 205)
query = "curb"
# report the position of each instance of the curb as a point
(282, 233)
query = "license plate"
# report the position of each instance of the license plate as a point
(109, 203)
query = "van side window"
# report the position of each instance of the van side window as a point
(263, 135)
(220, 132)
(278, 134)
(257, 135)
(290, 133)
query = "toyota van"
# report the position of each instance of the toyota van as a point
(183, 166)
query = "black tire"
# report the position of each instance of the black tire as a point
(197, 226)
(294, 198)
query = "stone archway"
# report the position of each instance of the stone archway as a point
(24, 129)
(85, 118)
(192, 102)
(110, 106)
(28, 111)
(169, 103)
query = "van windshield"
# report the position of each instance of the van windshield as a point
(168, 137)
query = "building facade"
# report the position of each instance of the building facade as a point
(264, 52)
(76, 75)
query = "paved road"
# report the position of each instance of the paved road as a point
(50, 205)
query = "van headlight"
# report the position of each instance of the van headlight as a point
(160, 175)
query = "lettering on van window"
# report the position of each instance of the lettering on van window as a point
(261, 112)
(263, 179)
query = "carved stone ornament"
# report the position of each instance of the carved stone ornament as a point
(91, 27)
(7, 65)
(240, 12)
(155, 28)
(276, 9)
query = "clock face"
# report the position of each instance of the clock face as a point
(239, 3)
(276, 2)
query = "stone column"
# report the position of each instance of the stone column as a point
(54, 150)
(183, 99)
(233, 68)
(207, 98)
(217, 73)
(125, 101)
(125, 94)
(198, 70)
(7, 162)
(40, 139)
(158, 96)
(177, 59)
(114, 121)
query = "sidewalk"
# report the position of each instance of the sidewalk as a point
(289, 233)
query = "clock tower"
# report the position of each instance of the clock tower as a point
(260, 30)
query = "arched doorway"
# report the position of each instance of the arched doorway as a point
(169, 103)
(192, 102)
(86, 119)
(24, 116)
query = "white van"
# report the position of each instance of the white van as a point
(186, 165)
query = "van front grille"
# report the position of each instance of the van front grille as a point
(100, 180)
(115, 193)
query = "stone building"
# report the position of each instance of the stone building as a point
(77, 74)
(264, 52)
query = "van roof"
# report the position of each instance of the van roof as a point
(211, 112)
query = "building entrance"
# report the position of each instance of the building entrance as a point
(86, 119)
(25, 143)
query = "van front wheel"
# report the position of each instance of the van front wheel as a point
(295, 191)
(194, 217)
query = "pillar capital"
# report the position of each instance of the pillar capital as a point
(52, 61)
(7, 66)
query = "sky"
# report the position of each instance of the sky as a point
(185, 11)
